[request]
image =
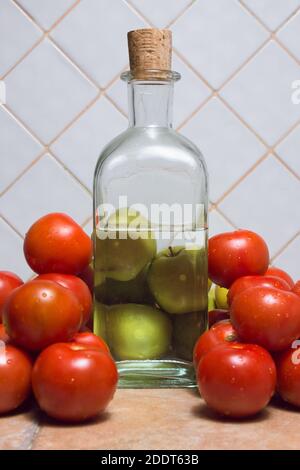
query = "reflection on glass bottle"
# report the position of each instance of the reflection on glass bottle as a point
(150, 230)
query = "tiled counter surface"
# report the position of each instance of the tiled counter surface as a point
(154, 419)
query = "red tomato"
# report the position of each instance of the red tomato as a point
(217, 315)
(87, 275)
(77, 286)
(272, 271)
(56, 243)
(40, 313)
(237, 379)
(89, 339)
(235, 254)
(266, 316)
(219, 333)
(288, 375)
(74, 382)
(8, 282)
(15, 377)
(296, 288)
(3, 334)
(245, 282)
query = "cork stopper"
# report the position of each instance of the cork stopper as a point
(150, 49)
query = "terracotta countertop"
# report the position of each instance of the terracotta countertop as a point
(154, 419)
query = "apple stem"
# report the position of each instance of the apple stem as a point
(171, 251)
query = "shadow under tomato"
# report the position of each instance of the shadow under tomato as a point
(278, 403)
(46, 420)
(26, 408)
(204, 412)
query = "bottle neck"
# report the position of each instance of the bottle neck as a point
(150, 103)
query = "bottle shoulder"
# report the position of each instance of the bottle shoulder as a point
(153, 145)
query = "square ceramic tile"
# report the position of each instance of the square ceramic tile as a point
(289, 259)
(217, 37)
(289, 150)
(189, 92)
(46, 13)
(46, 91)
(218, 224)
(272, 12)
(80, 146)
(94, 35)
(46, 187)
(261, 93)
(160, 14)
(264, 202)
(289, 35)
(229, 148)
(17, 34)
(11, 252)
(17, 148)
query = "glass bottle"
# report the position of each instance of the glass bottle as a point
(150, 230)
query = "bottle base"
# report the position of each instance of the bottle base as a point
(162, 373)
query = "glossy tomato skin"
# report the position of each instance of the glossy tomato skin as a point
(8, 282)
(277, 272)
(288, 375)
(217, 315)
(73, 382)
(40, 313)
(266, 316)
(89, 339)
(77, 286)
(245, 282)
(296, 288)
(15, 377)
(56, 243)
(3, 334)
(237, 380)
(220, 333)
(235, 254)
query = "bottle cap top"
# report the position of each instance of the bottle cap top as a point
(150, 49)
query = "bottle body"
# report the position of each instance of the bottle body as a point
(150, 250)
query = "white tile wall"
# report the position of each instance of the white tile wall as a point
(60, 60)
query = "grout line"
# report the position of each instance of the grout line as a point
(11, 226)
(73, 62)
(273, 33)
(284, 247)
(27, 14)
(115, 105)
(192, 68)
(285, 135)
(138, 13)
(196, 111)
(66, 13)
(87, 221)
(57, 21)
(217, 209)
(292, 56)
(26, 54)
(27, 168)
(243, 177)
(260, 21)
(181, 13)
(24, 125)
(75, 119)
(287, 167)
(237, 115)
(68, 170)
